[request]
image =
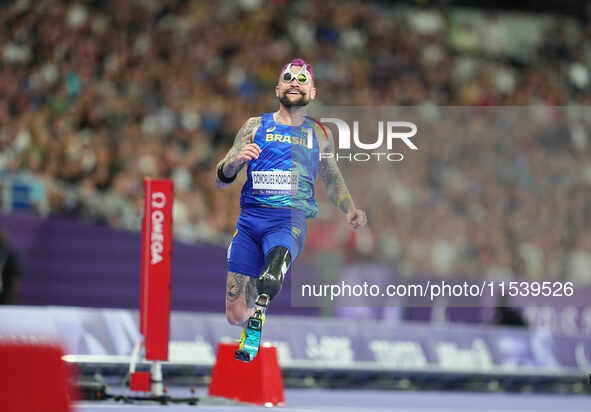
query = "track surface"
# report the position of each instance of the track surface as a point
(316, 400)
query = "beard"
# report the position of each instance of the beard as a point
(301, 101)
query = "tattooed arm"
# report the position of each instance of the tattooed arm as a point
(243, 150)
(337, 190)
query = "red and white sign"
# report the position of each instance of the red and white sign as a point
(156, 267)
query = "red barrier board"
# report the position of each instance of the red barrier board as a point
(156, 267)
(34, 378)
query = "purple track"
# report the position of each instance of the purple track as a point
(317, 400)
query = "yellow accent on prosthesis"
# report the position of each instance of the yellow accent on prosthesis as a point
(243, 334)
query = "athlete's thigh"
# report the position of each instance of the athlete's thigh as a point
(245, 253)
(241, 291)
(290, 233)
(245, 262)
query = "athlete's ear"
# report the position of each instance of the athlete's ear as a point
(277, 91)
(313, 93)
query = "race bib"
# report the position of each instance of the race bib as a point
(275, 182)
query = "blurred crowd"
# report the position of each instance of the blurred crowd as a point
(495, 193)
(98, 95)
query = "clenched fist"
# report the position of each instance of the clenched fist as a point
(357, 218)
(248, 152)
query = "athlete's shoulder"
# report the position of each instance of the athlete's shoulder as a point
(254, 121)
(319, 129)
(250, 126)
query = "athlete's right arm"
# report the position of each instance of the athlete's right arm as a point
(243, 150)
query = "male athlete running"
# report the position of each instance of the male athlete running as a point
(283, 160)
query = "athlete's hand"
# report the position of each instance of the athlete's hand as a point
(248, 152)
(357, 218)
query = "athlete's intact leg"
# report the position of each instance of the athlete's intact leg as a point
(241, 292)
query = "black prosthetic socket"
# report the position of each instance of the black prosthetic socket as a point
(270, 280)
(268, 284)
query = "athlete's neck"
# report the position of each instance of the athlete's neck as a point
(290, 116)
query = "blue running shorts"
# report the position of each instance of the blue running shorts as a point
(258, 231)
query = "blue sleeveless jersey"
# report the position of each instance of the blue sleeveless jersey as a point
(284, 175)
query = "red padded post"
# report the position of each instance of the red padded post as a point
(259, 382)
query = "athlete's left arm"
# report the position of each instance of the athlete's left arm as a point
(337, 190)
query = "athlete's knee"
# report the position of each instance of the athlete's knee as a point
(271, 279)
(236, 316)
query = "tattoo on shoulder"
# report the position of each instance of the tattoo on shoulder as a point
(326, 145)
(244, 135)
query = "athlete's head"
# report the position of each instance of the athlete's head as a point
(296, 84)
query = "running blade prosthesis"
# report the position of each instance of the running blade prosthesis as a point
(251, 335)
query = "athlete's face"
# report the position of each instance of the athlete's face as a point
(292, 92)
